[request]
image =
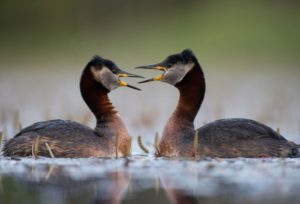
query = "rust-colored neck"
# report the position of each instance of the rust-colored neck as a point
(109, 124)
(180, 126)
(96, 97)
(192, 91)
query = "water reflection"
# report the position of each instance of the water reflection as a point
(180, 196)
(66, 183)
(148, 180)
(53, 181)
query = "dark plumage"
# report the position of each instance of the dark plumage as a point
(66, 139)
(238, 137)
(71, 139)
(225, 138)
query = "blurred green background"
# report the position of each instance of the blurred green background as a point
(135, 31)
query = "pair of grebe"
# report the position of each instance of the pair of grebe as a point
(225, 138)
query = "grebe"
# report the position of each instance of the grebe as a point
(226, 138)
(71, 139)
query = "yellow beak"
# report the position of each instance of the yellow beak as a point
(123, 83)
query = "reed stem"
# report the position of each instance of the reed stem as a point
(141, 145)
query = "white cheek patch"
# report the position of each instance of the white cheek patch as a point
(176, 73)
(106, 78)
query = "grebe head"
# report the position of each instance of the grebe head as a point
(175, 67)
(108, 74)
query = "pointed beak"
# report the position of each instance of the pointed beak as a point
(146, 67)
(122, 73)
(126, 74)
(123, 83)
(158, 78)
(156, 67)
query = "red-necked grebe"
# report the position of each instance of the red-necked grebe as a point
(71, 139)
(225, 138)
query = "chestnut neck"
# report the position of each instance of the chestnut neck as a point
(96, 97)
(192, 91)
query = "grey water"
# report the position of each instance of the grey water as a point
(143, 179)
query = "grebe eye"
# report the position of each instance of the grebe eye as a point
(114, 70)
(169, 65)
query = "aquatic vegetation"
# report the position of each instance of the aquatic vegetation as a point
(278, 131)
(49, 150)
(35, 148)
(16, 121)
(156, 145)
(1, 135)
(141, 145)
(203, 152)
(196, 144)
(116, 145)
(129, 148)
(156, 139)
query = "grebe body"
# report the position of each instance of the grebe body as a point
(71, 139)
(225, 138)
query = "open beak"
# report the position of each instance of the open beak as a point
(155, 67)
(123, 83)
(126, 74)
